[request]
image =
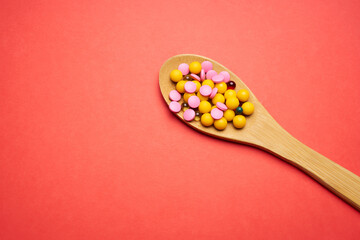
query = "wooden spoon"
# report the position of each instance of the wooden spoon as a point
(263, 132)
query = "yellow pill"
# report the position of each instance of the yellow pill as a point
(208, 82)
(218, 98)
(229, 115)
(176, 75)
(195, 67)
(243, 95)
(187, 95)
(222, 87)
(207, 120)
(201, 97)
(230, 93)
(248, 108)
(198, 85)
(232, 103)
(239, 121)
(220, 124)
(213, 107)
(180, 86)
(204, 107)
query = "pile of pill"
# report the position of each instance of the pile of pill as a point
(209, 97)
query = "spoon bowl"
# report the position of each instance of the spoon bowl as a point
(263, 132)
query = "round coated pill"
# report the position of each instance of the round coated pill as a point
(232, 103)
(220, 124)
(206, 119)
(198, 85)
(202, 75)
(222, 87)
(206, 65)
(213, 93)
(176, 75)
(226, 76)
(187, 77)
(218, 78)
(248, 108)
(184, 68)
(208, 82)
(221, 106)
(175, 107)
(195, 67)
(189, 115)
(190, 87)
(210, 74)
(195, 77)
(180, 86)
(204, 107)
(239, 121)
(174, 95)
(229, 115)
(230, 93)
(231, 85)
(217, 113)
(205, 90)
(187, 96)
(243, 95)
(218, 98)
(239, 110)
(194, 101)
(201, 97)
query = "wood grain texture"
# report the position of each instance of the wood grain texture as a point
(263, 132)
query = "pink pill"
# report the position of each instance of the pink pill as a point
(194, 101)
(174, 96)
(218, 78)
(226, 76)
(184, 68)
(210, 74)
(190, 87)
(202, 75)
(221, 106)
(175, 107)
(205, 90)
(217, 113)
(213, 93)
(195, 77)
(206, 65)
(189, 115)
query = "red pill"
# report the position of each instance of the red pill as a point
(231, 85)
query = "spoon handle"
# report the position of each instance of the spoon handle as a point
(332, 176)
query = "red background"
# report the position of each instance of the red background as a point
(89, 150)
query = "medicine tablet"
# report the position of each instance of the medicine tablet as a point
(221, 106)
(206, 65)
(174, 96)
(194, 101)
(210, 74)
(195, 77)
(213, 93)
(205, 90)
(217, 113)
(190, 87)
(226, 76)
(184, 68)
(189, 115)
(218, 78)
(175, 107)
(202, 75)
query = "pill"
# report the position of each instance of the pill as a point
(197, 116)
(187, 77)
(184, 68)
(243, 95)
(218, 98)
(202, 75)
(229, 115)
(206, 65)
(201, 97)
(230, 93)
(176, 75)
(226, 76)
(190, 87)
(239, 110)
(217, 113)
(221, 106)
(174, 95)
(232, 103)
(189, 115)
(198, 85)
(205, 90)
(187, 96)
(248, 108)
(175, 107)
(231, 85)
(206, 119)
(195, 77)
(239, 121)
(217, 78)
(208, 82)
(220, 124)
(195, 67)
(185, 106)
(180, 86)
(204, 107)
(213, 93)
(210, 74)
(194, 101)
(222, 87)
